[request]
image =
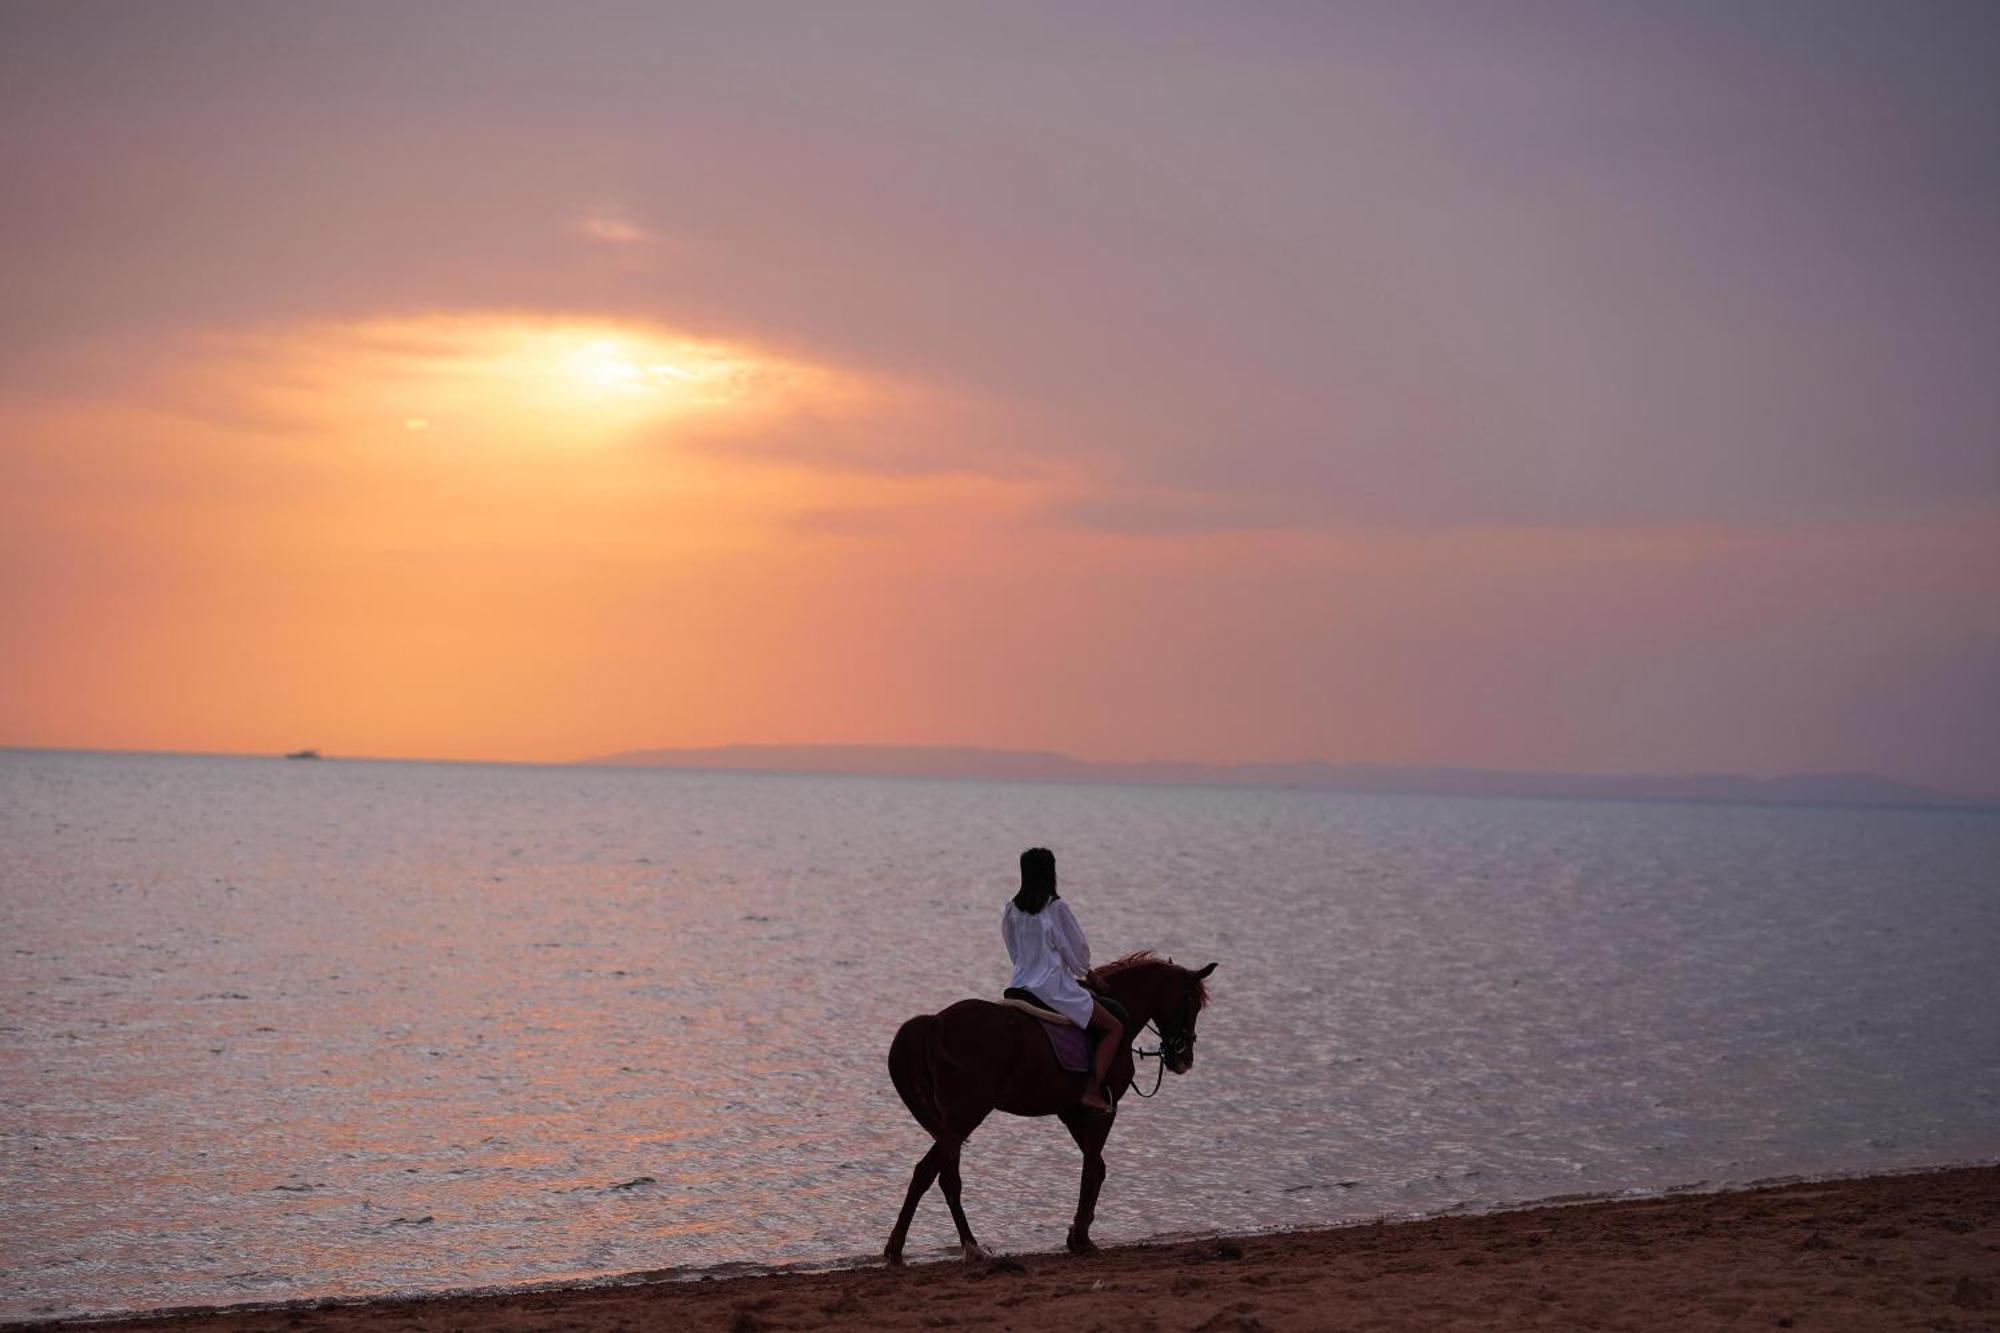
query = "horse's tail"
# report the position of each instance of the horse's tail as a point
(913, 1067)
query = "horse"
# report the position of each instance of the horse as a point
(956, 1067)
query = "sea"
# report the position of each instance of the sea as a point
(279, 1030)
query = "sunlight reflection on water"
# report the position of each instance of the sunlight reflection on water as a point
(276, 1030)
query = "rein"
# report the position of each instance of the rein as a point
(1183, 1038)
(1160, 1074)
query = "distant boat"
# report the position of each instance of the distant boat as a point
(303, 754)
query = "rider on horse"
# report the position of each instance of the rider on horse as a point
(1052, 959)
(957, 1066)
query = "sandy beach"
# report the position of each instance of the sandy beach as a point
(1919, 1251)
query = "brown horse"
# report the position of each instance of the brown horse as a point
(955, 1068)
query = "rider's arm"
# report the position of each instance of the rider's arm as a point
(1071, 946)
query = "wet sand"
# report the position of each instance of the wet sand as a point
(1886, 1252)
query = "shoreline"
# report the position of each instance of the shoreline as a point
(1917, 1249)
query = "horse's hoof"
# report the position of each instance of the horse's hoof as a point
(973, 1253)
(893, 1258)
(1081, 1245)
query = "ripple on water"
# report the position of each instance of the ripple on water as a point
(278, 1031)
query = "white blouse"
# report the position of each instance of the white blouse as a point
(1049, 954)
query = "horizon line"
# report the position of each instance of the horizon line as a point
(1206, 773)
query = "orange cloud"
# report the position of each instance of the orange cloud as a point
(608, 533)
(395, 534)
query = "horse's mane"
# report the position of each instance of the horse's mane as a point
(1146, 957)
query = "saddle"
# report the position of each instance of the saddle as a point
(1018, 997)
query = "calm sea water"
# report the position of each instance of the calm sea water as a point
(274, 1030)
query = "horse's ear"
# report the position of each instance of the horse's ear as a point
(1206, 970)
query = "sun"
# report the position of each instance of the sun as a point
(572, 379)
(619, 374)
(523, 381)
(606, 363)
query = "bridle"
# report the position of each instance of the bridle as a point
(1176, 1046)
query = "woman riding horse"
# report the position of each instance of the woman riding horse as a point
(955, 1067)
(1052, 959)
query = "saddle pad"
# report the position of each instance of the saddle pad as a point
(1071, 1045)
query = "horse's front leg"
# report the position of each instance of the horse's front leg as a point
(949, 1178)
(1090, 1131)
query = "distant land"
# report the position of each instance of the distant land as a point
(944, 761)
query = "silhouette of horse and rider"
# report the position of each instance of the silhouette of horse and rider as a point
(956, 1067)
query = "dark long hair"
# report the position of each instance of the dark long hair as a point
(1038, 880)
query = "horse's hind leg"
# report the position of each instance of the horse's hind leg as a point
(1089, 1130)
(920, 1180)
(950, 1179)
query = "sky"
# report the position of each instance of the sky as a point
(1598, 387)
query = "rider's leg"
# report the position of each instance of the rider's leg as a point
(1109, 1033)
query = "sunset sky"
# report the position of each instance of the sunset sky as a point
(1599, 387)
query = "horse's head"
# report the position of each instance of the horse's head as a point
(1177, 1019)
(1169, 995)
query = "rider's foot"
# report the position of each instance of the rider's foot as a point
(1094, 1101)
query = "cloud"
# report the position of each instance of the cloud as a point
(512, 428)
(562, 379)
(633, 247)
(1133, 512)
(610, 229)
(246, 540)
